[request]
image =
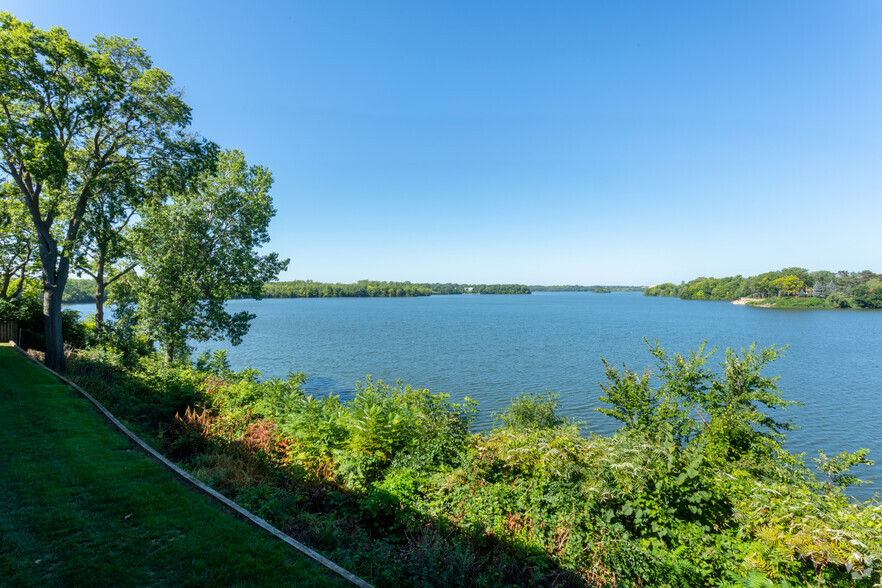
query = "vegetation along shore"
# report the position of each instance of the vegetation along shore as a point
(792, 287)
(83, 290)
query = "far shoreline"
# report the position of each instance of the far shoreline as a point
(746, 301)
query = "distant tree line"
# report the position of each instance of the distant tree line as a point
(360, 289)
(789, 287)
(596, 289)
(372, 288)
(478, 288)
(80, 291)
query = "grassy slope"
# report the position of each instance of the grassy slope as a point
(78, 505)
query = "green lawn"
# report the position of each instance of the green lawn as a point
(78, 505)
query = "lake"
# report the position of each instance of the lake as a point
(491, 348)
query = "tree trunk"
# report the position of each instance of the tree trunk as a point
(54, 358)
(54, 263)
(20, 286)
(99, 307)
(55, 271)
(99, 295)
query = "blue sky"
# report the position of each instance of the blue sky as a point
(541, 143)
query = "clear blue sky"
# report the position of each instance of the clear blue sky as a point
(535, 142)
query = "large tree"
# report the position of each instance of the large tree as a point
(73, 118)
(789, 285)
(107, 252)
(199, 249)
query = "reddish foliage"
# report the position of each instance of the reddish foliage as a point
(262, 435)
(214, 384)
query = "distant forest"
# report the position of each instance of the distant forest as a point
(792, 287)
(83, 290)
(597, 289)
(449, 288)
(360, 289)
(370, 288)
(80, 291)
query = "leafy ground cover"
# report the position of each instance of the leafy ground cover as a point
(694, 490)
(79, 506)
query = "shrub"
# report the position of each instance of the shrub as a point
(531, 411)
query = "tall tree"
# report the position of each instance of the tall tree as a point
(71, 117)
(199, 250)
(800, 272)
(788, 285)
(107, 252)
(868, 294)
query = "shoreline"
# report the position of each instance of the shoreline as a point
(745, 301)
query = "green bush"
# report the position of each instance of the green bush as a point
(531, 411)
(794, 302)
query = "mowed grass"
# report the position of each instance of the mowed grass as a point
(78, 505)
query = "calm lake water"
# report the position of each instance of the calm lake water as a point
(491, 348)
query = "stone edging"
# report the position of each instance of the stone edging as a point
(206, 490)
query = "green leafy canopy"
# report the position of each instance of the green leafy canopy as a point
(199, 249)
